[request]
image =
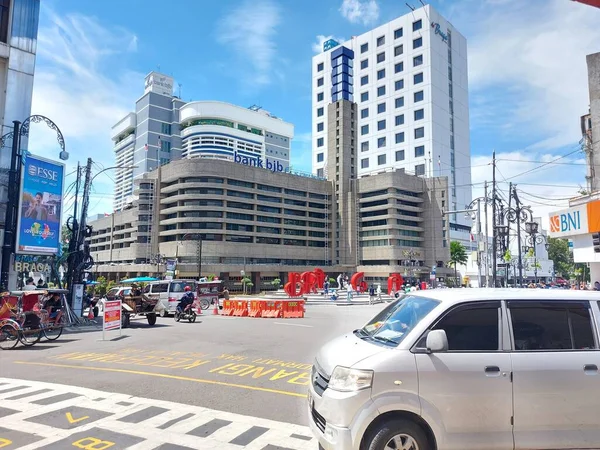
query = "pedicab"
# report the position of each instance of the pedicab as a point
(19, 321)
(135, 303)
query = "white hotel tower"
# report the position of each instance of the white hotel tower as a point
(409, 81)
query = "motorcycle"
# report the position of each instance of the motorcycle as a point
(188, 313)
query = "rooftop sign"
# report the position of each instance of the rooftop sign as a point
(159, 84)
(577, 220)
(329, 44)
(438, 30)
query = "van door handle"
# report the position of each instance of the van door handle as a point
(492, 371)
(591, 369)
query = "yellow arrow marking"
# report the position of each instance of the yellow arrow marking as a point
(4, 442)
(72, 420)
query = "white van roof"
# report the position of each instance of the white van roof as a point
(459, 295)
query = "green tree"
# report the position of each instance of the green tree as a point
(247, 283)
(560, 254)
(276, 283)
(458, 255)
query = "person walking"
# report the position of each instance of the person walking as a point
(371, 294)
(378, 292)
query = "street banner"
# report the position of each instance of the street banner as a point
(112, 316)
(78, 299)
(40, 206)
(170, 266)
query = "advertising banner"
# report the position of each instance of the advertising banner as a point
(170, 266)
(112, 316)
(40, 206)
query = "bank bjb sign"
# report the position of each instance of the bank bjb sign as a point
(257, 161)
(158, 83)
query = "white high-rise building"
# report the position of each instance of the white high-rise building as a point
(409, 80)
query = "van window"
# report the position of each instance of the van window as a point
(551, 326)
(159, 288)
(472, 328)
(146, 289)
(179, 286)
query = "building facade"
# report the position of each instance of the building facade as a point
(19, 21)
(409, 81)
(164, 128)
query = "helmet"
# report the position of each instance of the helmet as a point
(187, 289)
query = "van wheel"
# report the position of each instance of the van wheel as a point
(398, 434)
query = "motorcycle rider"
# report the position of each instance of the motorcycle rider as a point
(187, 299)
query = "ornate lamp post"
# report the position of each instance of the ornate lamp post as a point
(534, 239)
(410, 255)
(14, 183)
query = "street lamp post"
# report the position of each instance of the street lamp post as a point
(410, 254)
(14, 183)
(535, 238)
(198, 250)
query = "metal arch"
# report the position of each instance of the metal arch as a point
(37, 119)
(523, 213)
(4, 138)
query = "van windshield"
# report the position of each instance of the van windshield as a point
(395, 321)
(178, 287)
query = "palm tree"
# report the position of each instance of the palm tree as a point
(458, 255)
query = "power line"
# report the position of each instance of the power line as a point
(543, 165)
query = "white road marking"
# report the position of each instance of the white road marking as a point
(293, 324)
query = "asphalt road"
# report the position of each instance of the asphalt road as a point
(255, 367)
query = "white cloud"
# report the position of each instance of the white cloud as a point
(250, 30)
(301, 158)
(75, 87)
(365, 12)
(531, 61)
(318, 46)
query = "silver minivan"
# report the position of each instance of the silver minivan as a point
(169, 292)
(460, 369)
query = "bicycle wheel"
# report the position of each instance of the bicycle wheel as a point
(53, 332)
(9, 337)
(30, 336)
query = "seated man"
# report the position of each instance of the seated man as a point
(54, 307)
(187, 299)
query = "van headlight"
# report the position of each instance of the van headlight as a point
(344, 379)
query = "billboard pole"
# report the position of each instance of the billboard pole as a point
(10, 227)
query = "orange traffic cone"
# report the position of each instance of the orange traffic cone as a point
(91, 313)
(216, 309)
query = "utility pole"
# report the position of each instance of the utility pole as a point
(81, 231)
(519, 249)
(10, 223)
(199, 251)
(487, 237)
(478, 242)
(494, 231)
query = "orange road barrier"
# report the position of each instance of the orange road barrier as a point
(272, 309)
(293, 309)
(240, 308)
(256, 308)
(228, 307)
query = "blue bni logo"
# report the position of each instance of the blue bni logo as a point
(438, 30)
(329, 44)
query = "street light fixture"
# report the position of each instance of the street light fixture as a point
(535, 238)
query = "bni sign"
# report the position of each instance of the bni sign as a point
(438, 30)
(329, 44)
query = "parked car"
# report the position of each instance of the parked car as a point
(464, 369)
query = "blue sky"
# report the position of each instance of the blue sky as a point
(527, 73)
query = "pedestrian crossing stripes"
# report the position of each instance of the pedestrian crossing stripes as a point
(39, 415)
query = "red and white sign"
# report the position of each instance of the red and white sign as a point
(112, 315)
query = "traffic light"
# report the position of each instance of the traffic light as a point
(596, 242)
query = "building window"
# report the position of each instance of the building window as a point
(418, 42)
(417, 25)
(320, 157)
(320, 67)
(364, 96)
(320, 82)
(419, 132)
(381, 74)
(381, 160)
(398, 67)
(399, 102)
(398, 50)
(364, 48)
(381, 125)
(418, 78)
(364, 163)
(400, 138)
(398, 33)
(364, 130)
(419, 96)
(320, 142)
(364, 64)
(364, 80)
(380, 41)
(380, 91)
(4, 19)
(419, 151)
(364, 146)
(320, 97)
(319, 112)
(420, 170)
(381, 142)
(399, 84)
(400, 119)
(381, 57)
(320, 126)
(419, 114)
(381, 108)
(400, 155)
(165, 128)
(364, 113)
(417, 60)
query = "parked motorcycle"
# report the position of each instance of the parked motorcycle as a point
(188, 314)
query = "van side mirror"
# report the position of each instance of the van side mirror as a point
(437, 341)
